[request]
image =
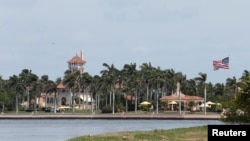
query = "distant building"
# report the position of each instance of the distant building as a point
(173, 99)
(63, 96)
(77, 63)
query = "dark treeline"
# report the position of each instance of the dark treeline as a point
(140, 83)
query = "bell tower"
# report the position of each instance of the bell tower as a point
(77, 63)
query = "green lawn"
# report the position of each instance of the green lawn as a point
(198, 133)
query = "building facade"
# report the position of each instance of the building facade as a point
(64, 96)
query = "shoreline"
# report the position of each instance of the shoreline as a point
(114, 116)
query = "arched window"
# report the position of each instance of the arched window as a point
(63, 101)
(47, 100)
(51, 100)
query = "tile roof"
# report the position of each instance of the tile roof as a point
(129, 97)
(77, 59)
(183, 97)
(60, 86)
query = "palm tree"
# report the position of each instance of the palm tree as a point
(128, 72)
(159, 80)
(170, 76)
(110, 74)
(36, 91)
(133, 82)
(70, 80)
(190, 87)
(51, 87)
(27, 78)
(87, 86)
(44, 81)
(15, 83)
(231, 86)
(96, 91)
(147, 78)
(4, 97)
(202, 79)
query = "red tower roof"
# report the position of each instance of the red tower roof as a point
(77, 59)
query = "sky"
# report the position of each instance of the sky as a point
(184, 35)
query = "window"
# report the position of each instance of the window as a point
(63, 101)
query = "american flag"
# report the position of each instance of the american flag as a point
(224, 64)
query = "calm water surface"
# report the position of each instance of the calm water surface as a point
(61, 130)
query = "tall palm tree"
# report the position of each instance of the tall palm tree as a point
(44, 82)
(202, 79)
(70, 80)
(27, 78)
(133, 82)
(170, 76)
(51, 87)
(97, 88)
(231, 86)
(87, 86)
(147, 71)
(104, 87)
(16, 84)
(111, 73)
(159, 80)
(36, 92)
(190, 87)
(128, 71)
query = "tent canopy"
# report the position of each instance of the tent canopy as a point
(172, 102)
(202, 105)
(64, 107)
(210, 103)
(145, 103)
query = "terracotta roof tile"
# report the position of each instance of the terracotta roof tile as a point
(60, 86)
(77, 59)
(128, 97)
(183, 97)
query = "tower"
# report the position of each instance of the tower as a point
(77, 63)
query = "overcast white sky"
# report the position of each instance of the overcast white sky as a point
(185, 35)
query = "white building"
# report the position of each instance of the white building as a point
(63, 96)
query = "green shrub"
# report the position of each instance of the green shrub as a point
(107, 109)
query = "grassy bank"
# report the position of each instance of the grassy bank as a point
(198, 133)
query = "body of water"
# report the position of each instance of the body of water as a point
(62, 130)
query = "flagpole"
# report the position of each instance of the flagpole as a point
(179, 95)
(205, 99)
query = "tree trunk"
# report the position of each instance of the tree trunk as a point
(96, 102)
(147, 92)
(86, 102)
(73, 103)
(126, 103)
(72, 100)
(28, 100)
(91, 102)
(3, 108)
(35, 105)
(99, 102)
(79, 100)
(157, 104)
(136, 101)
(106, 95)
(45, 104)
(113, 111)
(205, 99)
(84, 94)
(16, 103)
(55, 103)
(110, 99)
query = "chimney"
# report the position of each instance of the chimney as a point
(81, 54)
(178, 89)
